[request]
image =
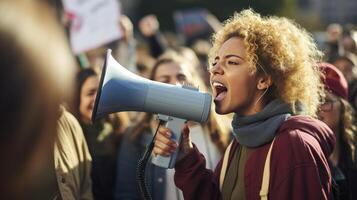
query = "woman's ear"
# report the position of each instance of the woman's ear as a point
(264, 82)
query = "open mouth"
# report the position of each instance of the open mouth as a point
(221, 91)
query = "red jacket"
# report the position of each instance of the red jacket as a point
(298, 168)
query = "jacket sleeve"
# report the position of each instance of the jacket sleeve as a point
(157, 44)
(195, 181)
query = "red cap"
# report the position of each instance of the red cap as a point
(334, 80)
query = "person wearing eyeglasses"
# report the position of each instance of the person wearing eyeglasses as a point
(339, 115)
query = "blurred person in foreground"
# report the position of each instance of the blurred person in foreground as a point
(103, 136)
(43, 152)
(339, 115)
(263, 69)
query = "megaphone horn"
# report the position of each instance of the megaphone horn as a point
(122, 90)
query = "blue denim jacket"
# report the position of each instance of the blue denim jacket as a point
(129, 154)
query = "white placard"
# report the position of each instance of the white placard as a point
(93, 23)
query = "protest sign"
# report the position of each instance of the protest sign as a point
(93, 23)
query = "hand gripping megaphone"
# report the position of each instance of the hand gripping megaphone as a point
(121, 90)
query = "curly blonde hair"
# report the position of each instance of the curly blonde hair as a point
(284, 50)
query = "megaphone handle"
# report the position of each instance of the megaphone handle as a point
(175, 125)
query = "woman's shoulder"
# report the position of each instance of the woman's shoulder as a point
(303, 136)
(304, 123)
(299, 126)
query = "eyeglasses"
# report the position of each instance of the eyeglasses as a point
(327, 106)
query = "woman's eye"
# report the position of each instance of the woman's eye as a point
(91, 92)
(181, 77)
(163, 80)
(232, 62)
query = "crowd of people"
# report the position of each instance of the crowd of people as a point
(282, 123)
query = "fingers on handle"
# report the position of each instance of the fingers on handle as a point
(163, 144)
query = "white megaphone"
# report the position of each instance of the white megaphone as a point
(121, 90)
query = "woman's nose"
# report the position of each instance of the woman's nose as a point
(92, 98)
(217, 69)
(173, 81)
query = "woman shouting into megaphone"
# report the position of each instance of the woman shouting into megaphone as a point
(263, 69)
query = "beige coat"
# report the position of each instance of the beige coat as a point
(72, 160)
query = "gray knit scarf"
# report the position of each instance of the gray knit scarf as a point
(260, 128)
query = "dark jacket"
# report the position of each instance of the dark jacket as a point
(345, 175)
(102, 143)
(130, 152)
(298, 168)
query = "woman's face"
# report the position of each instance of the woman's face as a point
(330, 111)
(233, 84)
(172, 73)
(87, 98)
(346, 68)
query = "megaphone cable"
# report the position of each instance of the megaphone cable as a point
(141, 168)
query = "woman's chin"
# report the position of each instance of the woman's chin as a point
(220, 109)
